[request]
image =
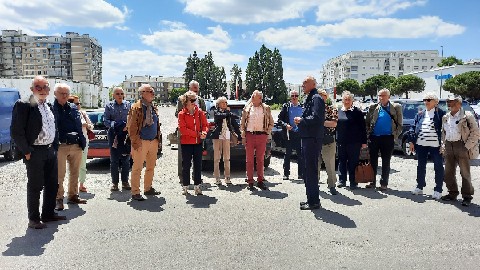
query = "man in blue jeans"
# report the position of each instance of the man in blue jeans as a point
(116, 113)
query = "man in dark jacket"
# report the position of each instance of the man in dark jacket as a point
(311, 127)
(291, 137)
(34, 131)
(72, 143)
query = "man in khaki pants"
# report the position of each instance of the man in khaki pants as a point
(143, 127)
(72, 143)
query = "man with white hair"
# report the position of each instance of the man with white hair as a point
(291, 137)
(460, 136)
(72, 143)
(425, 137)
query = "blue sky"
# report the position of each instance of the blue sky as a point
(146, 37)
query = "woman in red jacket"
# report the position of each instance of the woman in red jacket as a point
(193, 127)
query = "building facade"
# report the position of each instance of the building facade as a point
(161, 85)
(361, 65)
(71, 57)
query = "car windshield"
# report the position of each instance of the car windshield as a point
(96, 118)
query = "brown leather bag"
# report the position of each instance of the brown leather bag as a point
(364, 173)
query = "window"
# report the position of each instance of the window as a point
(424, 67)
(424, 60)
(415, 68)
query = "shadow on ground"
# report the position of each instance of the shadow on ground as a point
(340, 198)
(151, 204)
(201, 201)
(334, 218)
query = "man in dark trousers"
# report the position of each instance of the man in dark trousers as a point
(35, 133)
(310, 126)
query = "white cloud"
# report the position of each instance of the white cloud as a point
(122, 28)
(32, 16)
(309, 37)
(260, 11)
(179, 40)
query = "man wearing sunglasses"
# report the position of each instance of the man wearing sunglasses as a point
(289, 111)
(34, 131)
(116, 113)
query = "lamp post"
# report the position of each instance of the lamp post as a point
(441, 77)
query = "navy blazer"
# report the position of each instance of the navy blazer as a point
(27, 124)
(232, 123)
(313, 117)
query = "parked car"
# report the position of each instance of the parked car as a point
(237, 152)
(98, 147)
(8, 97)
(410, 108)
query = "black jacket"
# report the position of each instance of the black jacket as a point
(27, 124)
(313, 117)
(68, 120)
(232, 123)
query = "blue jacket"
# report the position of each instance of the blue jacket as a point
(313, 117)
(417, 125)
(69, 121)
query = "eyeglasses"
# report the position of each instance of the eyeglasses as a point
(40, 88)
(193, 100)
(427, 99)
(119, 94)
(79, 103)
(148, 91)
(63, 94)
(294, 95)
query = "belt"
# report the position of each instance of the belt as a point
(43, 146)
(257, 132)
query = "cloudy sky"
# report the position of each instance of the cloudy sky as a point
(147, 37)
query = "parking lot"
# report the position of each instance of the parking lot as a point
(234, 228)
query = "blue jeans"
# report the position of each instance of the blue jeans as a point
(293, 143)
(311, 148)
(348, 155)
(422, 154)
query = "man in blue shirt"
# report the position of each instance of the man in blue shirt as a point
(116, 113)
(384, 123)
(289, 111)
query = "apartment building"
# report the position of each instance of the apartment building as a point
(361, 65)
(161, 85)
(71, 57)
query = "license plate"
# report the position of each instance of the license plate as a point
(100, 137)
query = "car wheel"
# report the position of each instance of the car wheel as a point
(406, 149)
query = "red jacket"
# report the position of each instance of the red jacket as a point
(191, 125)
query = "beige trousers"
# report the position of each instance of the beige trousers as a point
(328, 157)
(147, 152)
(219, 147)
(73, 155)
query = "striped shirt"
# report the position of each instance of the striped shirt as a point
(428, 136)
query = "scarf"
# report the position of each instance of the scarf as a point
(149, 114)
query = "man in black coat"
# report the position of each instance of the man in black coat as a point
(310, 126)
(35, 133)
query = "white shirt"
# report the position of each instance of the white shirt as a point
(47, 134)
(225, 134)
(85, 120)
(428, 136)
(255, 119)
(452, 132)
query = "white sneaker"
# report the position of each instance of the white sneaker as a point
(417, 191)
(185, 190)
(218, 181)
(437, 195)
(228, 181)
(197, 190)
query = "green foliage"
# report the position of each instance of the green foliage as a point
(276, 106)
(349, 85)
(466, 85)
(265, 73)
(450, 61)
(211, 78)
(407, 83)
(373, 84)
(175, 93)
(191, 69)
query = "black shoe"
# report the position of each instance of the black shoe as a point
(353, 187)
(53, 218)
(59, 204)
(36, 224)
(333, 191)
(250, 186)
(308, 206)
(340, 185)
(303, 203)
(114, 187)
(449, 197)
(152, 191)
(285, 177)
(126, 186)
(466, 201)
(261, 185)
(138, 197)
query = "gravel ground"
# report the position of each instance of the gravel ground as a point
(234, 228)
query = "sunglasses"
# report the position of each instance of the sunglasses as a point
(119, 94)
(148, 91)
(294, 95)
(427, 99)
(193, 100)
(40, 88)
(79, 103)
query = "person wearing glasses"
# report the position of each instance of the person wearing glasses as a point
(86, 124)
(116, 113)
(289, 111)
(72, 143)
(425, 137)
(143, 127)
(34, 132)
(193, 126)
(226, 128)
(256, 125)
(384, 123)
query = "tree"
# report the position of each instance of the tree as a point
(450, 61)
(236, 81)
(191, 69)
(466, 85)
(175, 93)
(407, 83)
(350, 85)
(211, 78)
(373, 84)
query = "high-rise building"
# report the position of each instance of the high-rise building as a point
(70, 57)
(161, 85)
(361, 65)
